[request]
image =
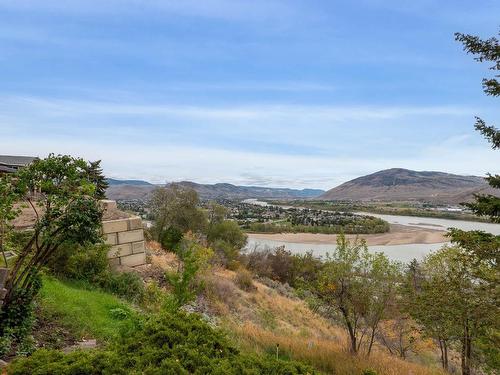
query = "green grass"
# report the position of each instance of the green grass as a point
(87, 313)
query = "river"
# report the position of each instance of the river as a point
(403, 253)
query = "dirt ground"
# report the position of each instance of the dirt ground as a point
(398, 235)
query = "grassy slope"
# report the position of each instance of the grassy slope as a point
(259, 320)
(85, 312)
(256, 321)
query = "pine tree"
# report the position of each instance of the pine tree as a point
(481, 251)
(486, 51)
(97, 178)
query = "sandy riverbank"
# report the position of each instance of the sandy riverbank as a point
(398, 235)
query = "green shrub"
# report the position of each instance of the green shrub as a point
(127, 285)
(167, 343)
(184, 282)
(80, 262)
(369, 372)
(171, 238)
(16, 321)
(90, 264)
(76, 262)
(227, 239)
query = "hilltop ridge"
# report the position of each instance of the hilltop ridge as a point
(399, 184)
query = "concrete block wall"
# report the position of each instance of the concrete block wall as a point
(126, 237)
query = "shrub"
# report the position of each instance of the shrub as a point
(280, 264)
(127, 285)
(227, 239)
(90, 264)
(244, 280)
(167, 343)
(170, 238)
(77, 262)
(184, 282)
(16, 321)
(369, 372)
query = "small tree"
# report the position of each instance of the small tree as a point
(193, 258)
(175, 212)
(359, 287)
(423, 301)
(66, 211)
(455, 305)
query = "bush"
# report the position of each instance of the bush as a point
(90, 264)
(80, 262)
(281, 265)
(227, 239)
(127, 285)
(167, 343)
(170, 238)
(184, 282)
(75, 262)
(244, 280)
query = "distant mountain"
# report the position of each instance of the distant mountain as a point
(224, 190)
(136, 189)
(114, 182)
(399, 184)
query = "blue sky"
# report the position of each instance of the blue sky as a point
(277, 92)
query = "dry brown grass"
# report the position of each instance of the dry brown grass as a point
(261, 318)
(326, 355)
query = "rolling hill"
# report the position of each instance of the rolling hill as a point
(136, 189)
(399, 184)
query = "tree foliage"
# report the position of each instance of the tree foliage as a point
(97, 178)
(486, 51)
(175, 212)
(61, 195)
(456, 303)
(358, 286)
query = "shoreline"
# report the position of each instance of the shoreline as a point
(398, 235)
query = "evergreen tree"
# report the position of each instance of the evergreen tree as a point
(97, 178)
(486, 51)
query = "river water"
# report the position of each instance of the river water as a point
(403, 253)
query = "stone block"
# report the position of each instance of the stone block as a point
(110, 239)
(138, 247)
(3, 293)
(133, 260)
(135, 223)
(107, 204)
(113, 226)
(120, 250)
(131, 236)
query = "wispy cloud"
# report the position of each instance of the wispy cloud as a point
(300, 146)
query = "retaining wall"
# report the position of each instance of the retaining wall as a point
(126, 237)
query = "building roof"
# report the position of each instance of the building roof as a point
(18, 161)
(5, 169)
